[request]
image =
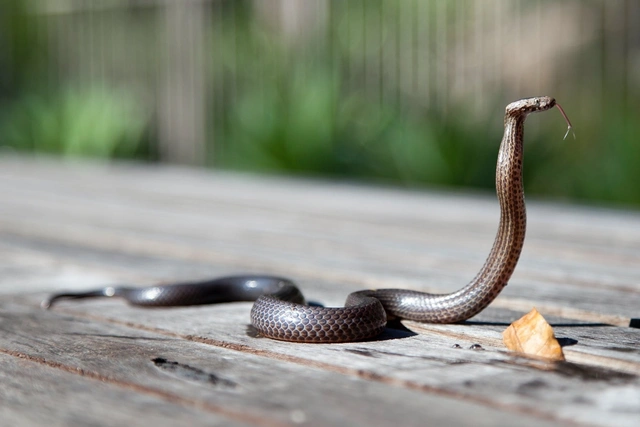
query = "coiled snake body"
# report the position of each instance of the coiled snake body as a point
(279, 311)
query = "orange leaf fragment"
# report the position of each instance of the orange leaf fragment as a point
(532, 335)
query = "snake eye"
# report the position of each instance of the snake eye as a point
(537, 102)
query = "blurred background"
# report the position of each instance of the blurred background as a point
(408, 93)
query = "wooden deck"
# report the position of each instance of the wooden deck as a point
(102, 362)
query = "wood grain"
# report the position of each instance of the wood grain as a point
(82, 226)
(240, 384)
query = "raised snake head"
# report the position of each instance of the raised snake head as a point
(530, 105)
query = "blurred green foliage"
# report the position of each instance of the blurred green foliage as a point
(293, 114)
(289, 110)
(601, 165)
(297, 116)
(75, 123)
(310, 126)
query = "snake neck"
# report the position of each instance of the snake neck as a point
(507, 246)
(509, 240)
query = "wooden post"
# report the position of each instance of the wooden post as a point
(181, 103)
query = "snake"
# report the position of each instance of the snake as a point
(280, 312)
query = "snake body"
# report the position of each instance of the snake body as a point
(279, 311)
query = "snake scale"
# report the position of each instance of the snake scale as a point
(279, 311)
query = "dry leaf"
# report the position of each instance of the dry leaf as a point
(532, 335)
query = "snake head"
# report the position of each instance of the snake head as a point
(530, 105)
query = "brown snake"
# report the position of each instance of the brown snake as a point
(279, 311)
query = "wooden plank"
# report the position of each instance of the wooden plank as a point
(386, 359)
(547, 284)
(428, 363)
(389, 260)
(355, 205)
(86, 225)
(226, 382)
(35, 394)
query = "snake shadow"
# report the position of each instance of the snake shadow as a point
(394, 330)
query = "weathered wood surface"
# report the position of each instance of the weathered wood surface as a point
(104, 363)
